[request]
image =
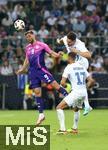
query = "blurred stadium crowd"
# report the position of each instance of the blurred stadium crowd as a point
(51, 19)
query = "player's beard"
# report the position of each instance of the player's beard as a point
(32, 41)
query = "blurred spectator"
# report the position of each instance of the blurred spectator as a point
(15, 40)
(49, 62)
(22, 13)
(76, 13)
(95, 20)
(6, 68)
(14, 62)
(22, 79)
(7, 21)
(51, 21)
(79, 26)
(19, 52)
(3, 32)
(90, 6)
(69, 24)
(31, 27)
(46, 13)
(61, 23)
(9, 52)
(3, 2)
(103, 24)
(16, 12)
(98, 64)
(54, 32)
(43, 32)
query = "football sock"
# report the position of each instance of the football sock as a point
(40, 104)
(61, 118)
(76, 119)
(63, 91)
(86, 103)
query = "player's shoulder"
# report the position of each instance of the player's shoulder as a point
(78, 66)
(41, 43)
(69, 67)
(79, 42)
(27, 46)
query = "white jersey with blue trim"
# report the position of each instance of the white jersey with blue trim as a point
(79, 45)
(77, 75)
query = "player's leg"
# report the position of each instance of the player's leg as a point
(78, 100)
(47, 77)
(59, 88)
(87, 108)
(35, 84)
(40, 105)
(61, 116)
(67, 101)
(76, 120)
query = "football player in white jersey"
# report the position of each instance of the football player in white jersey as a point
(77, 76)
(73, 44)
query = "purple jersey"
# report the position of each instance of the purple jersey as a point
(35, 53)
(37, 70)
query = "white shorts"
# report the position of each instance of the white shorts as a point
(75, 99)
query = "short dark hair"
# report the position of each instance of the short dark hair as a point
(72, 36)
(72, 55)
(29, 31)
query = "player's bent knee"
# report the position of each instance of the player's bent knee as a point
(55, 85)
(76, 109)
(58, 107)
(37, 93)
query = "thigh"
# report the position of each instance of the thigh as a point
(62, 105)
(69, 99)
(34, 81)
(78, 100)
(45, 76)
(38, 91)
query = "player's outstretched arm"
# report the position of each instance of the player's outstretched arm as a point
(86, 54)
(23, 68)
(55, 55)
(63, 82)
(90, 82)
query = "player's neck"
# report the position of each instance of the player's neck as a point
(72, 62)
(34, 41)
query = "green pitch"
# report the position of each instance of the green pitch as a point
(93, 129)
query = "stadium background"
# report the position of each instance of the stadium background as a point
(51, 19)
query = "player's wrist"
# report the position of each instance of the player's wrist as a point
(77, 52)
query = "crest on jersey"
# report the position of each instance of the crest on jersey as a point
(32, 51)
(36, 46)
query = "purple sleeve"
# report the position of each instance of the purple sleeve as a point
(47, 49)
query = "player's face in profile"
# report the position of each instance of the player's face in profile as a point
(69, 59)
(30, 37)
(70, 42)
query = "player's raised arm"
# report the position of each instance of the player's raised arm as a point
(56, 55)
(64, 77)
(63, 81)
(24, 67)
(51, 52)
